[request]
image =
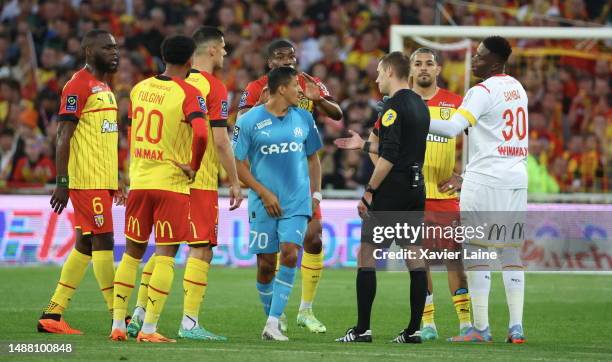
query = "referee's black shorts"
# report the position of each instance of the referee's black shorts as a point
(395, 201)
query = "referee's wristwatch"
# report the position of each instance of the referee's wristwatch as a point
(370, 189)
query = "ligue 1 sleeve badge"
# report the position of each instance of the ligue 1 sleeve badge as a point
(71, 103)
(99, 220)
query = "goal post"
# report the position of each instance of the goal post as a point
(398, 32)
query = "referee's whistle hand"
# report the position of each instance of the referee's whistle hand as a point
(354, 142)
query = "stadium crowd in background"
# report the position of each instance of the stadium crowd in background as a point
(339, 42)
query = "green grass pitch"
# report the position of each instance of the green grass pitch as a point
(567, 317)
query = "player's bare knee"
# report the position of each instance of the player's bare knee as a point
(366, 256)
(134, 249)
(289, 254)
(103, 241)
(202, 252)
(166, 250)
(511, 258)
(266, 267)
(313, 243)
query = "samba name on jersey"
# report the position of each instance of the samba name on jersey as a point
(498, 139)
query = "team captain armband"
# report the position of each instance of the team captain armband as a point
(467, 115)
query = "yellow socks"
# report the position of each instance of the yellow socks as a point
(125, 276)
(462, 307)
(429, 312)
(143, 290)
(72, 273)
(312, 268)
(104, 270)
(159, 287)
(194, 284)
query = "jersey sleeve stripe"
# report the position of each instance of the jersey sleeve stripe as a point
(194, 115)
(218, 123)
(467, 115)
(100, 110)
(69, 117)
(484, 86)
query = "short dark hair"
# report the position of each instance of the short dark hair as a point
(204, 34)
(177, 49)
(90, 37)
(280, 76)
(498, 46)
(278, 44)
(7, 132)
(425, 51)
(399, 62)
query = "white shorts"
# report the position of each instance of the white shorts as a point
(500, 212)
(477, 197)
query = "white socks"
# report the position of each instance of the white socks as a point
(119, 325)
(480, 284)
(139, 313)
(305, 305)
(514, 282)
(189, 322)
(272, 322)
(149, 328)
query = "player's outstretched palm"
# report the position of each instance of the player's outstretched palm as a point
(312, 91)
(59, 199)
(271, 203)
(186, 168)
(236, 198)
(354, 142)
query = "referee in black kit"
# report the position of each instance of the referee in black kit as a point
(397, 148)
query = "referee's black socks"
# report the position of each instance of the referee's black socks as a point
(366, 291)
(418, 294)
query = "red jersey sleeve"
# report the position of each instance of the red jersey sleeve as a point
(216, 101)
(322, 89)
(194, 105)
(74, 97)
(250, 95)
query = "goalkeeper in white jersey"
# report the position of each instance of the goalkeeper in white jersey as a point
(495, 178)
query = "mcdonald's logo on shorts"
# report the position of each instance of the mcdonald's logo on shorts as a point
(133, 225)
(160, 229)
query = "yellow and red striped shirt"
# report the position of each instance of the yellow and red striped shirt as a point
(440, 153)
(161, 110)
(215, 93)
(93, 161)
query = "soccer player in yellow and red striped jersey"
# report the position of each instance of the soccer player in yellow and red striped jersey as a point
(314, 97)
(86, 161)
(441, 184)
(167, 142)
(208, 56)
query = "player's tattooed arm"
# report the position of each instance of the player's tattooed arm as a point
(269, 200)
(59, 199)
